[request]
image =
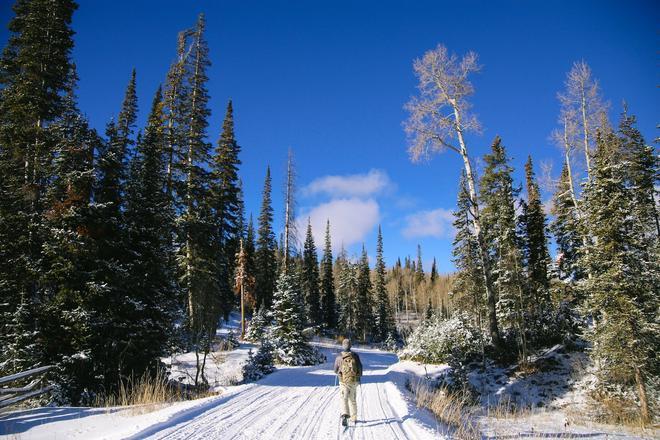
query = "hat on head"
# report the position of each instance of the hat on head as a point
(346, 344)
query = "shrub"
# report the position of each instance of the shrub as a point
(437, 341)
(260, 364)
(258, 325)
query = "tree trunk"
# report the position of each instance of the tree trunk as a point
(643, 402)
(585, 131)
(571, 186)
(476, 221)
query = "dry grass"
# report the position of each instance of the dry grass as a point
(452, 409)
(147, 393)
(613, 410)
(506, 409)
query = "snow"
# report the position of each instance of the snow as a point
(223, 368)
(303, 403)
(291, 403)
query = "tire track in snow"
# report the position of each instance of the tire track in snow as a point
(303, 403)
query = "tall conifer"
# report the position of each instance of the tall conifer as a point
(265, 257)
(310, 279)
(328, 298)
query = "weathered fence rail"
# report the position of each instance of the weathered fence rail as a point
(12, 396)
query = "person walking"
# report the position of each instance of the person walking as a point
(348, 368)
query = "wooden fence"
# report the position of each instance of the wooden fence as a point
(12, 396)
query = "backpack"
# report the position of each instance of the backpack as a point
(349, 368)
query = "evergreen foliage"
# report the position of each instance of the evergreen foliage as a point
(226, 202)
(259, 364)
(622, 292)
(499, 222)
(328, 298)
(566, 230)
(364, 311)
(383, 311)
(290, 346)
(151, 310)
(266, 252)
(258, 325)
(310, 280)
(347, 295)
(468, 285)
(534, 241)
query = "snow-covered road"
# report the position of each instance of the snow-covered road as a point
(303, 403)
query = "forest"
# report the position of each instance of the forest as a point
(123, 247)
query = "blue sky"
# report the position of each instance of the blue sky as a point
(329, 79)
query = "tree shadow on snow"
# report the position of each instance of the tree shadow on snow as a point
(17, 422)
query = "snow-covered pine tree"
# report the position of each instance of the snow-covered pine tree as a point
(290, 346)
(365, 312)
(384, 320)
(22, 350)
(151, 307)
(642, 176)
(468, 284)
(34, 76)
(622, 292)
(260, 363)
(328, 299)
(265, 255)
(499, 222)
(257, 327)
(565, 228)
(310, 279)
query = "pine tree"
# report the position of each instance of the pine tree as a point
(22, 351)
(383, 311)
(328, 299)
(109, 304)
(642, 176)
(419, 267)
(499, 222)
(566, 230)
(624, 283)
(225, 199)
(265, 256)
(468, 285)
(68, 251)
(35, 68)
(250, 264)
(434, 272)
(290, 346)
(196, 226)
(310, 279)
(257, 327)
(365, 321)
(151, 309)
(347, 288)
(534, 242)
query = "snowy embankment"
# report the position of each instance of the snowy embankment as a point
(291, 403)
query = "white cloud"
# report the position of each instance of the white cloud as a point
(353, 185)
(351, 219)
(435, 223)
